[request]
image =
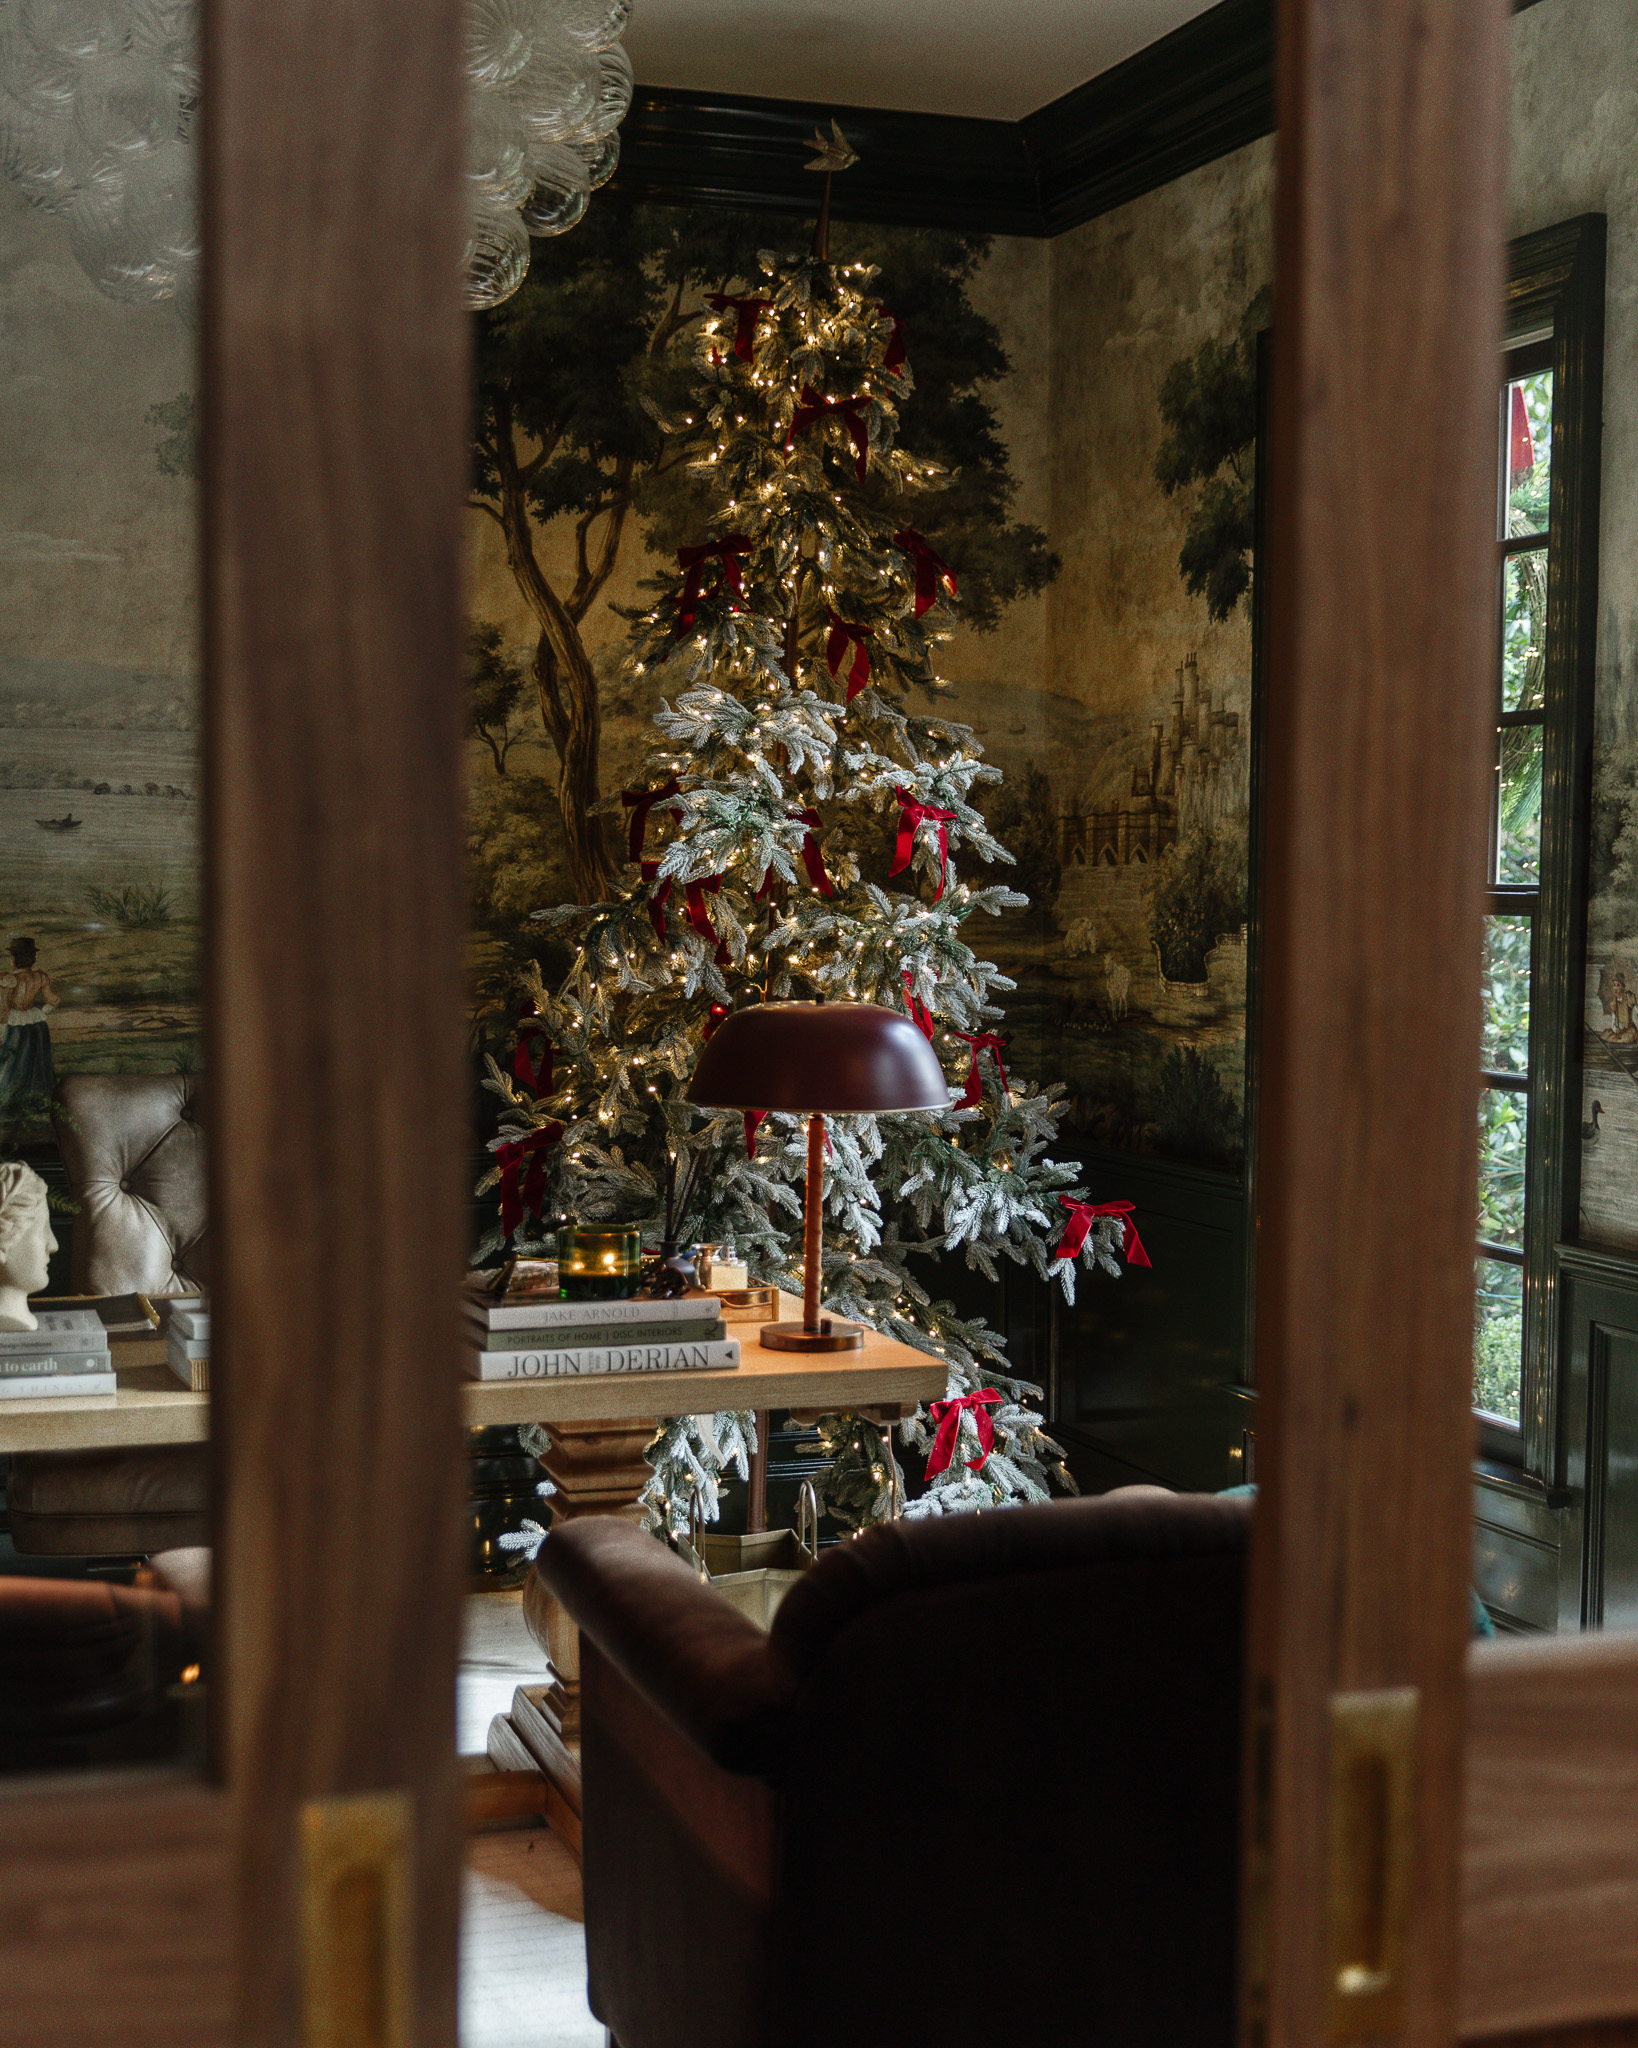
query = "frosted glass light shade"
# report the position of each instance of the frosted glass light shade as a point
(601, 158)
(613, 98)
(562, 190)
(497, 151)
(83, 30)
(593, 24)
(162, 206)
(100, 99)
(498, 39)
(558, 91)
(128, 106)
(496, 260)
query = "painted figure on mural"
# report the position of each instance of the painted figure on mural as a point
(1620, 1002)
(27, 999)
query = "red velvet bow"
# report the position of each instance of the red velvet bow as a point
(530, 1028)
(640, 802)
(931, 569)
(657, 900)
(694, 895)
(813, 408)
(753, 1123)
(729, 551)
(1081, 1216)
(912, 816)
(749, 311)
(895, 345)
(946, 1420)
(813, 858)
(510, 1158)
(919, 1011)
(981, 1041)
(842, 633)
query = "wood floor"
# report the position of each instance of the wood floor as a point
(523, 1951)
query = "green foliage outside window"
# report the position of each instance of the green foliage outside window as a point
(1506, 1040)
(1503, 1123)
(1498, 1309)
(1498, 1339)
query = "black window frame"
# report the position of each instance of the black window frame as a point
(1555, 295)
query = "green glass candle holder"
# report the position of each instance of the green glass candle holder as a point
(598, 1264)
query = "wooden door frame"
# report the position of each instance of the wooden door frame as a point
(151, 1906)
(1524, 1878)
(1387, 297)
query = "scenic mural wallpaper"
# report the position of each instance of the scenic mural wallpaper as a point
(99, 695)
(1099, 522)
(1126, 809)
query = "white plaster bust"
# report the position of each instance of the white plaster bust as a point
(26, 1243)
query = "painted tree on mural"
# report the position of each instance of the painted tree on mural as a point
(570, 373)
(1208, 405)
(495, 687)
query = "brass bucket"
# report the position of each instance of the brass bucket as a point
(755, 1572)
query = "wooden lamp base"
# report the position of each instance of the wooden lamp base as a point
(829, 1336)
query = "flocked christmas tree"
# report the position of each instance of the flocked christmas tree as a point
(800, 833)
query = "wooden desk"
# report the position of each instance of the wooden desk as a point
(884, 1372)
(153, 1407)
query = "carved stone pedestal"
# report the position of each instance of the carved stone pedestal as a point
(598, 1468)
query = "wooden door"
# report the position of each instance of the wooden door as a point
(1441, 1841)
(156, 1906)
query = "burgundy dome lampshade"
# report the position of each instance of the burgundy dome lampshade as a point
(814, 1060)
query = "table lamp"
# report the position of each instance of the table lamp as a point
(814, 1060)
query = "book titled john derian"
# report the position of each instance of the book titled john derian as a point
(591, 1360)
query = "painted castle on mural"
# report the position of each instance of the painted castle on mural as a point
(1189, 780)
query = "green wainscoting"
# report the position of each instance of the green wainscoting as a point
(1561, 1551)
(1526, 1550)
(1598, 1451)
(1146, 1374)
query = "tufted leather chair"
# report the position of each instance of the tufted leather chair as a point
(134, 1152)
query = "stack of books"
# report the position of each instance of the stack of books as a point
(67, 1354)
(187, 1346)
(534, 1338)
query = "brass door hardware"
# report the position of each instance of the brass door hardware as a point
(1373, 1820)
(356, 1910)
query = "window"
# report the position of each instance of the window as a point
(1548, 414)
(1524, 545)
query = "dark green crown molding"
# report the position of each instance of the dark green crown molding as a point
(1197, 94)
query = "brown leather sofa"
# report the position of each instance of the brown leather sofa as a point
(979, 1784)
(134, 1150)
(86, 1670)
